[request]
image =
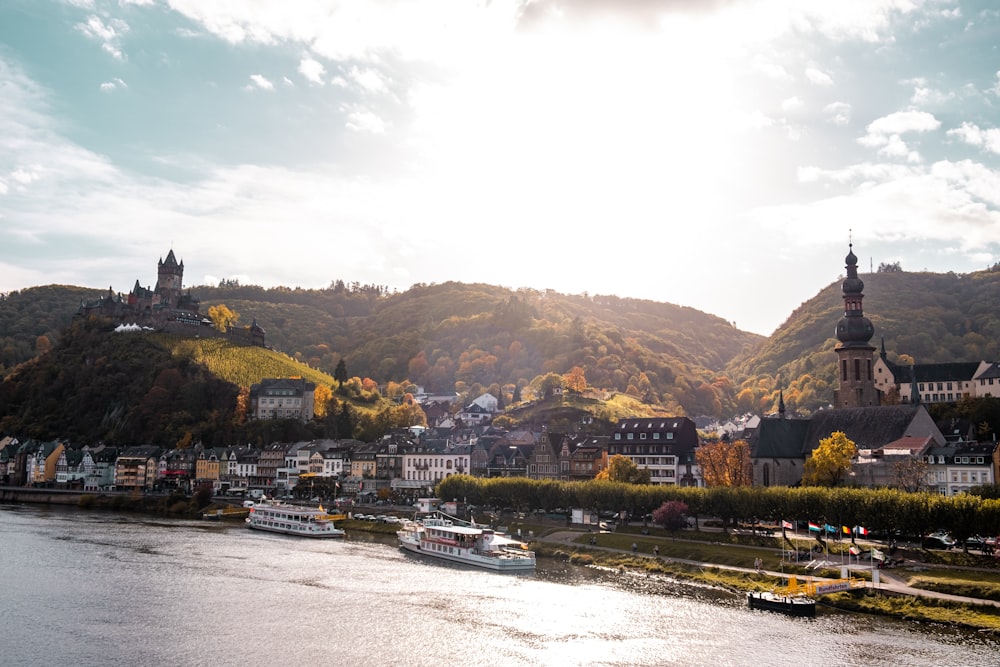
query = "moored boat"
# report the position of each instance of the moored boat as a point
(792, 605)
(277, 517)
(440, 537)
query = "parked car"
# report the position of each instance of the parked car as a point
(938, 542)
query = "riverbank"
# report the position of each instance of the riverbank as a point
(730, 567)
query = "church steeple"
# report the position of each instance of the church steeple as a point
(854, 352)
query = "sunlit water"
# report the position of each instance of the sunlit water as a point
(86, 588)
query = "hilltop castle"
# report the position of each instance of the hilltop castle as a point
(167, 307)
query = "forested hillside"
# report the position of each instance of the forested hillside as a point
(473, 337)
(930, 317)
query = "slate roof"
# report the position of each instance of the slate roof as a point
(956, 371)
(779, 438)
(869, 427)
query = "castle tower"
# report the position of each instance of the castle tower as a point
(854, 352)
(170, 278)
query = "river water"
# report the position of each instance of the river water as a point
(87, 588)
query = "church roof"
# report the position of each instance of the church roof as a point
(870, 427)
(947, 372)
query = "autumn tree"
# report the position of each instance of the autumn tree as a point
(672, 515)
(321, 399)
(725, 463)
(222, 317)
(830, 461)
(575, 380)
(623, 469)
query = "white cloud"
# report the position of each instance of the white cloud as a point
(369, 79)
(261, 82)
(363, 120)
(996, 86)
(792, 104)
(886, 133)
(109, 34)
(972, 134)
(838, 113)
(818, 77)
(114, 84)
(312, 70)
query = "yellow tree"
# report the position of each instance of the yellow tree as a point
(623, 469)
(222, 317)
(830, 461)
(725, 463)
(321, 400)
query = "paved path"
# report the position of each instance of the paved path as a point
(888, 582)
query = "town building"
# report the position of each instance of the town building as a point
(663, 445)
(282, 398)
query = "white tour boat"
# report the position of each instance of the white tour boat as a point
(439, 537)
(292, 520)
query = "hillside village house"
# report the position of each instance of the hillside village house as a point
(663, 445)
(282, 398)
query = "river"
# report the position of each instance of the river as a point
(88, 588)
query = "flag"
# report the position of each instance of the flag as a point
(877, 555)
(860, 530)
(845, 530)
(830, 529)
(814, 527)
(854, 550)
(787, 524)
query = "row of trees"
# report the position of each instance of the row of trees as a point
(885, 510)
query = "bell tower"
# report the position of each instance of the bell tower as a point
(856, 388)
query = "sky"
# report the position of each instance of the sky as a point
(718, 154)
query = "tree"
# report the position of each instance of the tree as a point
(886, 267)
(672, 515)
(910, 474)
(830, 461)
(340, 372)
(622, 469)
(575, 380)
(725, 463)
(222, 317)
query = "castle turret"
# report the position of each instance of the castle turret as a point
(170, 278)
(854, 352)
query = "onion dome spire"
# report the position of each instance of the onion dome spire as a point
(854, 329)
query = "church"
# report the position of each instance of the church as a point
(781, 444)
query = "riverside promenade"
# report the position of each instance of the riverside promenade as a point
(888, 583)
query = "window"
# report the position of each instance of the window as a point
(642, 436)
(656, 436)
(670, 436)
(630, 436)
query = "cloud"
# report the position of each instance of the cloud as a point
(973, 135)
(818, 77)
(792, 104)
(363, 120)
(312, 70)
(109, 34)
(838, 113)
(260, 81)
(114, 84)
(886, 133)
